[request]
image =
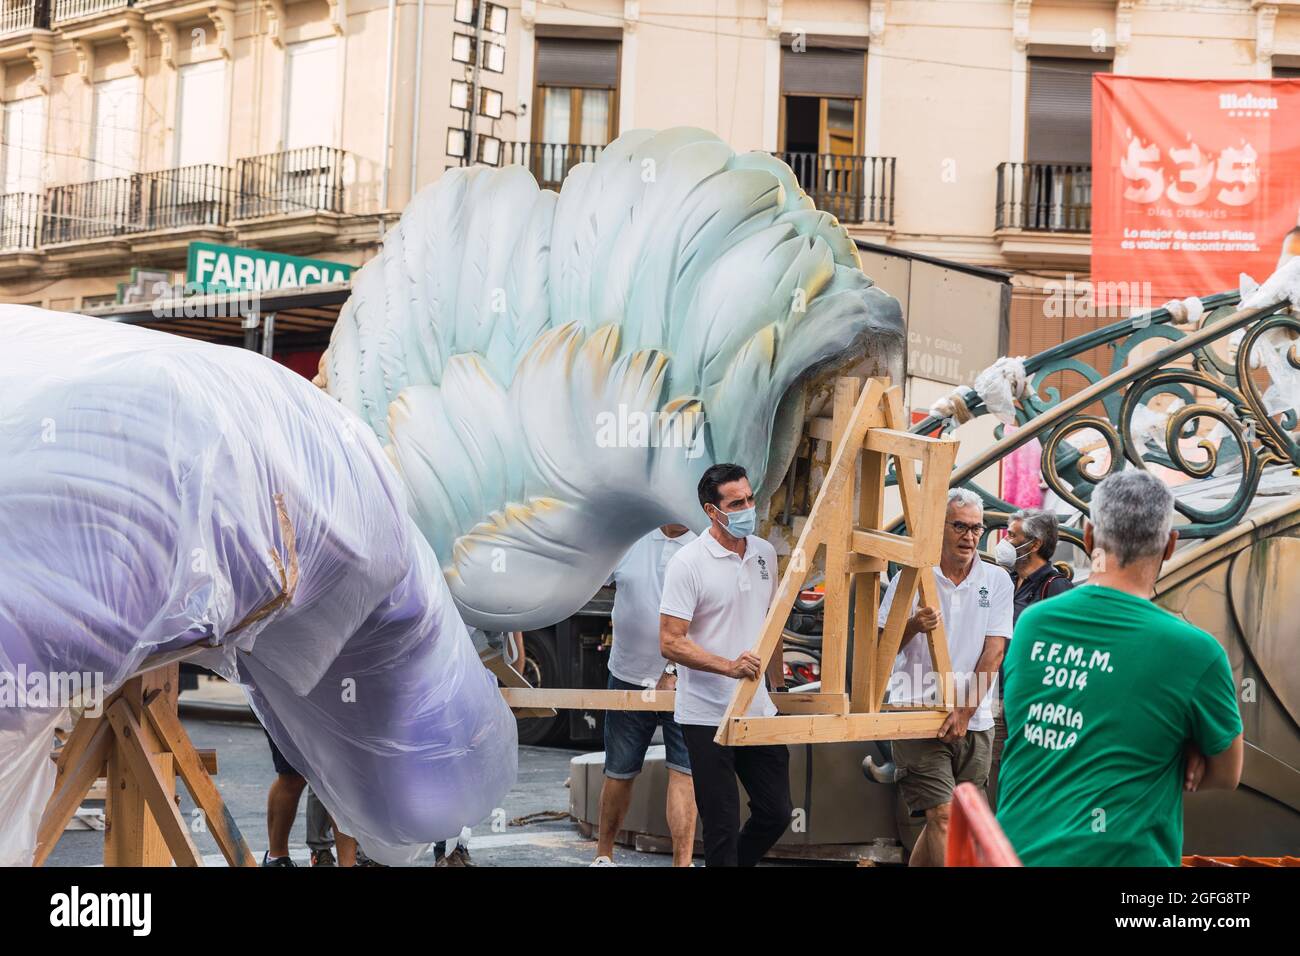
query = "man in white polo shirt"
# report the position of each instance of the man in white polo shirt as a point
(976, 603)
(636, 664)
(716, 594)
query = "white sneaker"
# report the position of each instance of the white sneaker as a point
(603, 861)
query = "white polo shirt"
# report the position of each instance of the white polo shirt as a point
(726, 600)
(979, 607)
(639, 579)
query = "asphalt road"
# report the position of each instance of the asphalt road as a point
(245, 772)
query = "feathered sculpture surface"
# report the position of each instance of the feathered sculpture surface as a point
(548, 375)
(552, 374)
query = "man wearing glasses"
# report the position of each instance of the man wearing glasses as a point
(976, 601)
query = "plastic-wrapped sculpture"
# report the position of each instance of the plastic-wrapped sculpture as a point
(541, 378)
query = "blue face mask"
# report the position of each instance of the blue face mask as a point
(741, 524)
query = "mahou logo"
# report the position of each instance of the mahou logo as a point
(1247, 104)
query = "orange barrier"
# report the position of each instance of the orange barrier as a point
(974, 837)
(1266, 861)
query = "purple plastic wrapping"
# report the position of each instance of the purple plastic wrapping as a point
(159, 492)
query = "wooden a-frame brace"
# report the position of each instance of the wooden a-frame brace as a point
(867, 425)
(139, 744)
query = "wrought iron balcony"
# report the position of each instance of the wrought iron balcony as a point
(19, 16)
(1044, 197)
(20, 221)
(854, 189)
(93, 210)
(288, 182)
(65, 10)
(548, 162)
(189, 196)
(142, 202)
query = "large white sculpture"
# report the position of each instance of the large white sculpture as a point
(552, 374)
(158, 493)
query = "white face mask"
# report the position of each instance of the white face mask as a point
(1007, 554)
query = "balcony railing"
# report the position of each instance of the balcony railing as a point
(76, 9)
(189, 196)
(93, 210)
(292, 181)
(549, 162)
(854, 189)
(20, 221)
(142, 202)
(19, 16)
(1045, 197)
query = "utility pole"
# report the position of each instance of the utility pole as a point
(471, 154)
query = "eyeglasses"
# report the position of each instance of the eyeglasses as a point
(963, 529)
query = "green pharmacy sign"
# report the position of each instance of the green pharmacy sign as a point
(213, 268)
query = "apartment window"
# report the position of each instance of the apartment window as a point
(310, 99)
(115, 150)
(1286, 72)
(821, 100)
(821, 124)
(1057, 181)
(200, 96)
(24, 144)
(575, 104)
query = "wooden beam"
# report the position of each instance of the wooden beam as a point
(891, 635)
(866, 414)
(561, 698)
(835, 616)
(194, 773)
(833, 728)
(867, 583)
(94, 739)
(132, 836)
(884, 545)
(795, 702)
(938, 638)
(141, 770)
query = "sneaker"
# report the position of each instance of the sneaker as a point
(457, 857)
(602, 861)
(323, 857)
(268, 860)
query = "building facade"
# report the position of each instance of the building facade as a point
(957, 129)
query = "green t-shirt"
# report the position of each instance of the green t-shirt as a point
(1103, 691)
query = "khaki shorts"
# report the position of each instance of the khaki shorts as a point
(928, 768)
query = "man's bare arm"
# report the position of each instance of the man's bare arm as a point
(1223, 770)
(986, 670)
(680, 649)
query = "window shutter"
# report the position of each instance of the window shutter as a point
(311, 108)
(200, 92)
(562, 61)
(116, 150)
(24, 133)
(1060, 109)
(822, 72)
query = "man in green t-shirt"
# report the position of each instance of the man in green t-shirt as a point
(1113, 705)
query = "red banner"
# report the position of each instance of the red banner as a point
(1193, 183)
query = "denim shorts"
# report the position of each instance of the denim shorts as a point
(628, 733)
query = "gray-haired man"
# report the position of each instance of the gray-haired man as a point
(1114, 706)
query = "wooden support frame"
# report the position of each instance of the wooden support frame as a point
(867, 431)
(138, 742)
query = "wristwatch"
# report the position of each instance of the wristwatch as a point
(670, 669)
